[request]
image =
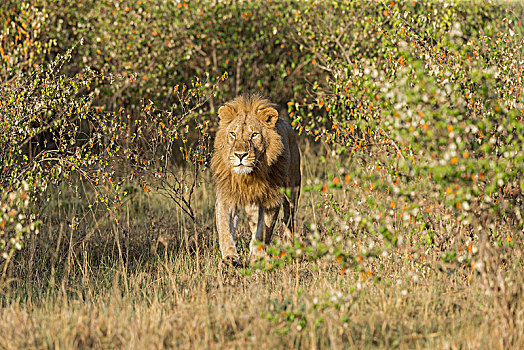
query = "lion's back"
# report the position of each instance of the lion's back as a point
(291, 153)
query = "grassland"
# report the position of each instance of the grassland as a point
(154, 281)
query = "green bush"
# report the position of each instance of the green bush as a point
(430, 96)
(16, 221)
(52, 136)
(167, 43)
(22, 48)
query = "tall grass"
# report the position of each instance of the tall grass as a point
(154, 281)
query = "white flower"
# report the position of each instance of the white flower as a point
(478, 266)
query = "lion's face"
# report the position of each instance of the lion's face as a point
(245, 141)
(244, 134)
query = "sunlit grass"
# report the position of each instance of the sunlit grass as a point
(142, 284)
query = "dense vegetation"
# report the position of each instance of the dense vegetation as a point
(411, 117)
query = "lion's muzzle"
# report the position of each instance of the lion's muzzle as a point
(242, 163)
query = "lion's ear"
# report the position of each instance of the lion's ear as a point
(226, 114)
(268, 115)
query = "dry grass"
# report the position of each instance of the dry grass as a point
(139, 285)
(175, 303)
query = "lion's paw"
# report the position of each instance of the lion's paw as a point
(231, 260)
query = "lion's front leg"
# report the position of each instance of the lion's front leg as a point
(227, 221)
(255, 215)
(261, 223)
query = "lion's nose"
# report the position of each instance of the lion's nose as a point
(240, 155)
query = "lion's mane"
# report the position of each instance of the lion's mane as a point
(262, 185)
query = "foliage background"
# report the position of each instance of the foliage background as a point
(411, 122)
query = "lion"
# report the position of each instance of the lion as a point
(255, 156)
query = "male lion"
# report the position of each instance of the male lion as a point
(256, 154)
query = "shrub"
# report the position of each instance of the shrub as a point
(15, 223)
(168, 43)
(430, 96)
(53, 135)
(22, 47)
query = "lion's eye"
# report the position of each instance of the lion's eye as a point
(253, 135)
(233, 135)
